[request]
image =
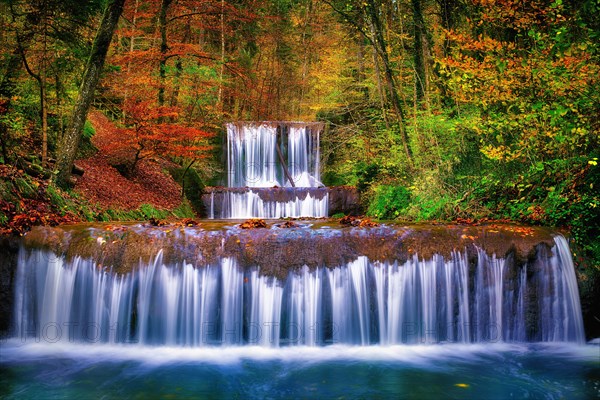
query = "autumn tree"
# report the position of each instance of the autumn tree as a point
(145, 134)
(44, 37)
(70, 141)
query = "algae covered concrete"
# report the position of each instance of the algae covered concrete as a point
(277, 249)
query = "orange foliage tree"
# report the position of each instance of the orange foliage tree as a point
(145, 135)
(533, 78)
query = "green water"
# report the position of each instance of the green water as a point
(43, 371)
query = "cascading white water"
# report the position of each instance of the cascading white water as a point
(253, 160)
(268, 155)
(361, 303)
(250, 205)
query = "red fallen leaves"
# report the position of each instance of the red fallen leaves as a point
(32, 213)
(188, 222)
(253, 224)
(185, 222)
(288, 224)
(522, 230)
(359, 222)
(24, 213)
(495, 226)
(475, 222)
(367, 223)
(104, 185)
(156, 222)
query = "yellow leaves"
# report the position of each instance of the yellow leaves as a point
(499, 153)
(593, 161)
(462, 385)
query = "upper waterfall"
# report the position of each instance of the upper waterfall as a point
(280, 158)
(284, 154)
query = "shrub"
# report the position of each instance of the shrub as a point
(389, 202)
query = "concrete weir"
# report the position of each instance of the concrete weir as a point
(338, 199)
(360, 286)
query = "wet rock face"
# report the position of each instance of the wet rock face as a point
(344, 199)
(9, 248)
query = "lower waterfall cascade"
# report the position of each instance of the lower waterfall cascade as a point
(457, 299)
(252, 203)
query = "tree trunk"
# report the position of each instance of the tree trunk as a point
(41, 80)
(380, 90)
(362, 76)
(380, 46)
(70, 141)
(44, 98)
(59, 110)
(450, 13)
(179, 68)
(44, 106)
(183, 178)
(418, 54)
(7, 91)
(222, 71)
(131, 50)
(164, 47)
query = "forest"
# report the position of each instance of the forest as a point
(459, 111)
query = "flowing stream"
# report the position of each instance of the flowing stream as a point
(294, 311)
(467, 325)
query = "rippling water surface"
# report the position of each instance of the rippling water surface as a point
(66, 370)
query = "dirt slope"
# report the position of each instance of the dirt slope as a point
(103, 184)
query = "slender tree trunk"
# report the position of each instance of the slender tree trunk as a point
(179, 68)
(382, 96)
(44, 96)
(183, 178)
(131, 50)
(380, 46)
(7, 92)
(44, 106)
(418, 54)
(58, 92)
(41, 80)
(450, 12)
(164, 47)
(360, 55)
(70, 141)
(222, 71)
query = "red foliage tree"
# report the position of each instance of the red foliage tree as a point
(145, 135)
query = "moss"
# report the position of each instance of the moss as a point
(25, 187)
(86, 148)
(193, 187)
(149, 211)
(56, 198)
(6, 189)
(184, 210)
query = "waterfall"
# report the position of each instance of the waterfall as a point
(361, 302)
(272, 156)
